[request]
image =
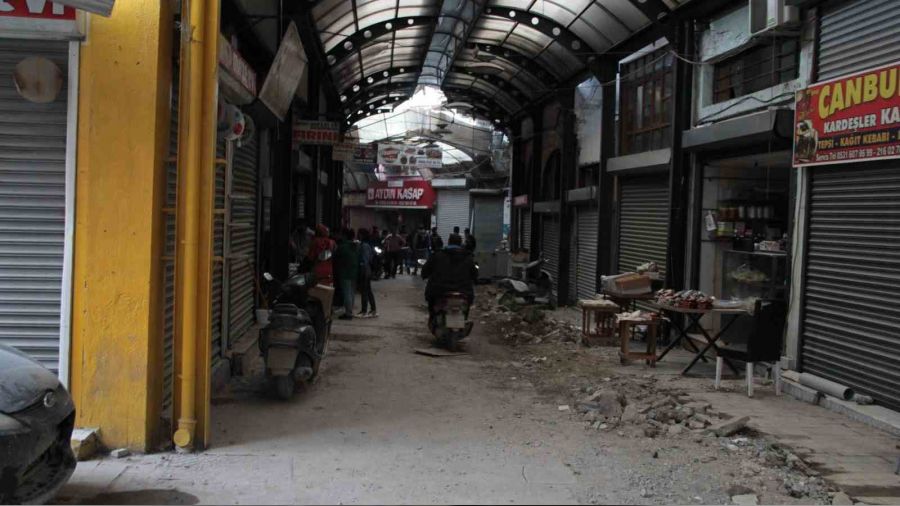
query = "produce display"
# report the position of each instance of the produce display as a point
(746, 274)
(689, 299)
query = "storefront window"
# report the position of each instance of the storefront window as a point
(645, 102)
(772, 62)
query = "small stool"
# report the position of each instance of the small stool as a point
(597, 318)
(626, 326)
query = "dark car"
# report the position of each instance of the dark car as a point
(36, 421)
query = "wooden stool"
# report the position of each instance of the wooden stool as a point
(626, 327)
(597, 318)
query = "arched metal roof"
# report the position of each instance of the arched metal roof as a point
(505, 52)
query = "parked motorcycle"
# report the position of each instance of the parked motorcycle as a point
(295, 340)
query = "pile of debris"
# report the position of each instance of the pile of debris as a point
(523, 323)
(638, 407)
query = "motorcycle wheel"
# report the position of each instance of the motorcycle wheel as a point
(284, 387)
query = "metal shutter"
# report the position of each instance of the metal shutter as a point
(643, 222)
(851, 315)
(241, 242)
(487, 224)
(526, 230)
(218, 249)
(858, 35)
(32, 207)
(452, 211)
(583, 254)
(550, 245)
(169, 255)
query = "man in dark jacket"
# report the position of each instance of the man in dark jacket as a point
(450, 270)
(346, 265)
(469, 240)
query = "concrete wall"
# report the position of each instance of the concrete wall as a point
(117, 298)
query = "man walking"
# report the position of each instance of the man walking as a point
(393, 246)
(366, 260)
(469, 241)
(346, 260)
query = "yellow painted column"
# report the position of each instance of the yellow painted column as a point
(123, 127)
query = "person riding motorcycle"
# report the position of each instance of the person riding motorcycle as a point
(451, 269)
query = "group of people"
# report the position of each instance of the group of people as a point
(355, 263)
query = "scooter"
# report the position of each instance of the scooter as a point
(295, 340)
(450, 323)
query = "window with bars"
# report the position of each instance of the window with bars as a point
(645, 100)
(773, 62)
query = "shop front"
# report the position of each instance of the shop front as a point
(38, 109)
(401, 204)
(847, 152)
(452, 208)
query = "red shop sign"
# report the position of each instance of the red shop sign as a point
(38, 18)
(37, 9)
(415, 194)
(854, 118)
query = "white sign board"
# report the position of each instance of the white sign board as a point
(407, 156)
(287, 71)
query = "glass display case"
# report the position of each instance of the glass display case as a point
(761, 274)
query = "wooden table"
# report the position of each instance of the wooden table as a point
(625, 327)
(693, 317)
(627, 301)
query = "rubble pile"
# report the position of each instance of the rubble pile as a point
(521, 323)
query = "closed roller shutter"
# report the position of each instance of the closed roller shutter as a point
(851, 315)
(858, 35)
(526, 230)
(583, 253)
(452, 211)
(242, 239)
(218, 250)
(643, 222)
(32, 207)
(550, 246)
(169, 257)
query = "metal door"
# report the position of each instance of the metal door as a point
(241, 240)
(858, 35)
(32, 206)
(169, 253)
(218, 249)
(452, 211)
(526, 230)
(583, 254)
(643, 222)
(550, 246)
(851, 316)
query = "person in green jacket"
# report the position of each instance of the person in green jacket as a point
(346, 266)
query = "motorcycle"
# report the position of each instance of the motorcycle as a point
(295, 340)
(449, 324)
(378, 264)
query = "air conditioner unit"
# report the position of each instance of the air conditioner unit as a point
(773, 17)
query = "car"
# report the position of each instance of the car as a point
(36, 421)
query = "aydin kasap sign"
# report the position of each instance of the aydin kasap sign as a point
(417, 194)
(854, 118)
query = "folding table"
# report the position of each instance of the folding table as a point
(693, 316)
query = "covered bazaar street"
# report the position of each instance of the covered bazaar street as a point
(385, 425)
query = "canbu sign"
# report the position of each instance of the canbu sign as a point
(849, 119)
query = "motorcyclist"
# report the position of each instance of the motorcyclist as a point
(451, 269)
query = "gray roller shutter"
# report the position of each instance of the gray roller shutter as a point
(583, 253)
(858, 35)
(169, 256)
(32, 207)
(218, 249)
(550, 245)
(851, 315)
(643, 222)
(526, 230)
(242, 238)
(452, 211)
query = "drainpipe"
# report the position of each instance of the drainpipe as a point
(196, 134)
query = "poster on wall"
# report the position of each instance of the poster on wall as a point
(407, 159)
(854, 118)
(403, 193)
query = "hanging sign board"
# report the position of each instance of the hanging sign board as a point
(414, 194)
(365, 153)
(38, 19)
(284, 76)
(321, 133)
(854, 118)
(405, 157)
(102, 7)
(343, 151)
